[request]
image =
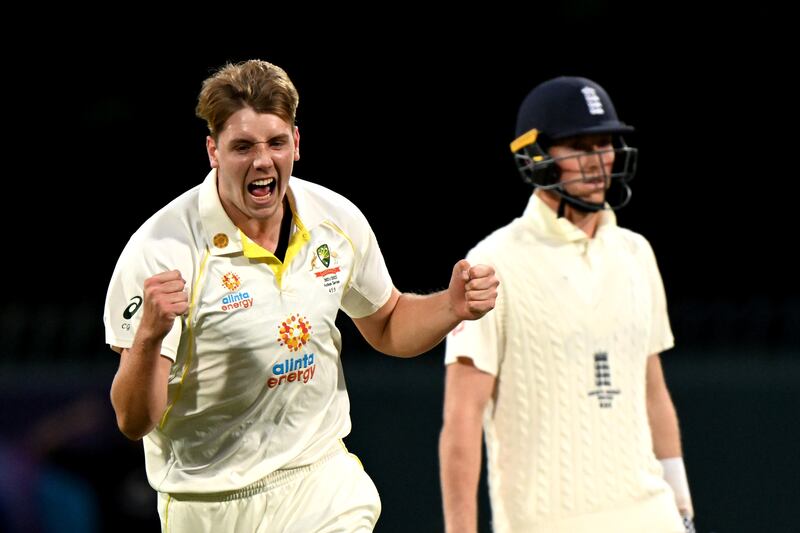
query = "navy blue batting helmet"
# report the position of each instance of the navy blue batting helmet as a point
(561, 108)
(568, 106)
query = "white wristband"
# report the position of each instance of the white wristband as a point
(675, 476)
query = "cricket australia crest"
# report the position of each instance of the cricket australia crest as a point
(324, 264)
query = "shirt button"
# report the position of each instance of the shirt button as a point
(220, 240)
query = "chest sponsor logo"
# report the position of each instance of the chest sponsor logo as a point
(231, 281)
(293, 333)
(324, 265)
(293, 370)
(235, 299)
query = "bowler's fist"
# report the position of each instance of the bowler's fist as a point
(473, 290)
(165, 298)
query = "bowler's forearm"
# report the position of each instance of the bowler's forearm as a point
(139, 389)
(417, 324)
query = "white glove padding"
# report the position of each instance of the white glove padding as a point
(675, 476)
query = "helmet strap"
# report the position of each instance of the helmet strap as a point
(562, 204)
(579, 205)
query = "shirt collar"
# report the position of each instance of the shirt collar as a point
(301, 203)
(543, 219)
(224, 237)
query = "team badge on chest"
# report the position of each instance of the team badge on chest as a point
(324, 265)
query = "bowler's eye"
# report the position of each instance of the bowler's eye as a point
(242, 148)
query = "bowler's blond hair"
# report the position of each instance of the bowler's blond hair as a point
(258, 84)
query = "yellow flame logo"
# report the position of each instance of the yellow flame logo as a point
(231, 281)
(294, 332)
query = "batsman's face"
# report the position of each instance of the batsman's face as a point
(585, 162)
(254, 155)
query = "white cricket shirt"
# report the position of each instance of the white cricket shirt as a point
(567, 436)
(257, 382)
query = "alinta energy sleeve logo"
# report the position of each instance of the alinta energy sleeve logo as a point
(294, 333)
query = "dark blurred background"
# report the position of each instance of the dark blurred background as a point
(410, 116)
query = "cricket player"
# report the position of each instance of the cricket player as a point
(564, 379)
(222, 308)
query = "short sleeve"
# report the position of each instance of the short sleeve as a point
(370, 283)
(661, 337)
(124, 299)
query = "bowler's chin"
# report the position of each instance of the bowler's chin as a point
(263, 212)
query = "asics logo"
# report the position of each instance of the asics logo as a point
(129, 311)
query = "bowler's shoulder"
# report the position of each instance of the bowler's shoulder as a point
(315, 201)
(174, 224)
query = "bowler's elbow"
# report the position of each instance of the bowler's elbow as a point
(134, 425)
(134, 429)
(401, 354)
(386, 347)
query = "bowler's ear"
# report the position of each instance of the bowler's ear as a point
(211, 148)
(296, 143)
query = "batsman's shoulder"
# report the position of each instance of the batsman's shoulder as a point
(635, 242)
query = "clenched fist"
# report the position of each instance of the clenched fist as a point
(473, 290)
(165, 298)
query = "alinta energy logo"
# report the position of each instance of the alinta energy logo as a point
(294, 333)
(231, 281)
(235, 299)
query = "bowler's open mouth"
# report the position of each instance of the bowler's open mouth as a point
(262, 188)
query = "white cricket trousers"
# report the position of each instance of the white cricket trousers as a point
(333, 495)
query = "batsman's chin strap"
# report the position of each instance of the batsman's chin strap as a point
(584, 207)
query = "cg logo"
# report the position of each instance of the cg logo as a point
(136, 302)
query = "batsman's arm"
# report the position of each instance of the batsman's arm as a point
(467, 391)
(666, 435)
